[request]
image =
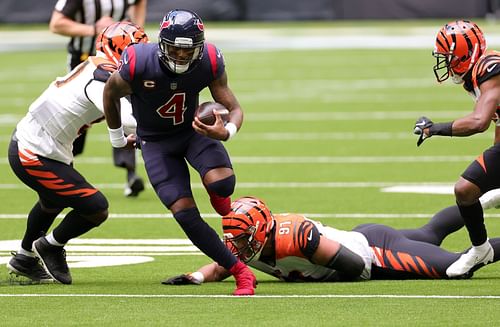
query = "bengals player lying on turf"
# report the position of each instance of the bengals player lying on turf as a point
(293, 248)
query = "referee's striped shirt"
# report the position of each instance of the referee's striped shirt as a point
(88, 12)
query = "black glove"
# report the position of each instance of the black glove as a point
(183, 279)
(421, 124)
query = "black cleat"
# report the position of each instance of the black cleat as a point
(53, 259)
(22, 265)
(134, 186)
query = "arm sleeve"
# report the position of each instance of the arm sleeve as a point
(487, 68)
(308, 238)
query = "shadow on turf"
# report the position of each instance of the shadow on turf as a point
(15, 280)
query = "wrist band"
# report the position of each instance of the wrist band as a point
(232, 129)
(198, 277)
(444, 129)
(117, 138)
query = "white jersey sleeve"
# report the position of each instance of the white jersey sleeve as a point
(68, 106)
(95, 91)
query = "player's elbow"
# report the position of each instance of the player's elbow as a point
(480, 125)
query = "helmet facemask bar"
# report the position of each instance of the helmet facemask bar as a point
(443, 68)
(180, 54)
(244, 246)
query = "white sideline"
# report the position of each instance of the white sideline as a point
(209, 296)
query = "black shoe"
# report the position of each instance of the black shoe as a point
(53, 259)
(22, 265)
(134, 186)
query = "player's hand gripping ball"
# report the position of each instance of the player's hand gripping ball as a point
(205, 112)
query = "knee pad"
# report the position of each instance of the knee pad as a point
(223, 187)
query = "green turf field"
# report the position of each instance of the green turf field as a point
(326, 132)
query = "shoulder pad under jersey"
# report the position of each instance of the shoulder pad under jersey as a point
(104, 71)
(486, 67)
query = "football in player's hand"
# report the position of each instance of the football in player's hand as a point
(205, 112)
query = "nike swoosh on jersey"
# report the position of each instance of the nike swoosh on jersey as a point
(490, 69)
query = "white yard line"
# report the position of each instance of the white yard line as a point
(307, 159)
(268, 39)
(291, 296)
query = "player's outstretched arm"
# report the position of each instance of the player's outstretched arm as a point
(208, 273)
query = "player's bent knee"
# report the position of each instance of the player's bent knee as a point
(223, 187)
(96, 209)
(97, 218)
(467, 193)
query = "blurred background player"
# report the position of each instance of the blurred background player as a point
(164, 81)
(83, 21)
(460, 52)
(293, 248)
(40, 154)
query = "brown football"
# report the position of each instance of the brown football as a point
(205, 112)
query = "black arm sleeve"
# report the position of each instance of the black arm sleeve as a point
(348, 264)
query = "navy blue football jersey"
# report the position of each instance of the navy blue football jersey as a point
(163, 103)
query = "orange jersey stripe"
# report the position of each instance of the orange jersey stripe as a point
(392, 260)
(425, 268)
(40, 173)
(480, 160)
(408, 262)
(55, 184)
(84, 192)
(379, 253)
(29, 161)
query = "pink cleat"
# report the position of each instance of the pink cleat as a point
(245, 279)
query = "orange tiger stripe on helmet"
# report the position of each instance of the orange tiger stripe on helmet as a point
(116, 37)
(247, 226)
(459, 44)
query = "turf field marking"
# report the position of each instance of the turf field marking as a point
(291, 296)
(310, 215)
(429, 186)
(308, 159)
(11, 119)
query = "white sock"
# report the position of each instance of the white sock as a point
(26, 253)
(50, 238)
(483, 247)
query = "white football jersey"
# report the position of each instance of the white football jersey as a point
(68, 106)
(291, 265)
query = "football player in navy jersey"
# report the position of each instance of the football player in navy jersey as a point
(461, 54)
(164, 81)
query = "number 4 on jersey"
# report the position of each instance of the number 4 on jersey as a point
(174, 108)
